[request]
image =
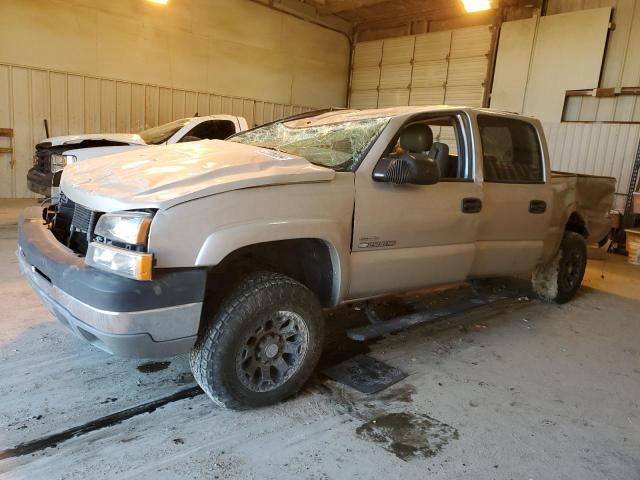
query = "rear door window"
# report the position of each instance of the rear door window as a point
(511, 150)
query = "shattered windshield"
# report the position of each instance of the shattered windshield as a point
(339, 146)
(162, 133)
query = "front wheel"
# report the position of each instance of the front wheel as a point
(262, 344)
(559, 280)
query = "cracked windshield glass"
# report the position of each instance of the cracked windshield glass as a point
(339, 146)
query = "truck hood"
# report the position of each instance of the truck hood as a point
(128, 138)
(165, 176)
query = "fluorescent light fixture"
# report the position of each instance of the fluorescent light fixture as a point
(476, 5)
(160, 2)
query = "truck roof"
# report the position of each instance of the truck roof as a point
(339, 116)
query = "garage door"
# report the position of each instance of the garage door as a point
(429, 69)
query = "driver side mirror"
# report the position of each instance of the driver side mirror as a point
(410, 168)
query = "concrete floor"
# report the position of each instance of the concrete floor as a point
(520, 390)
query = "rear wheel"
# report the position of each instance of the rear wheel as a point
(262, 343)
(560, 280)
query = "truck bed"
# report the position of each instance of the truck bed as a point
(594, 196)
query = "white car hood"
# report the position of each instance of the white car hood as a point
(167, 175)
(129, 138)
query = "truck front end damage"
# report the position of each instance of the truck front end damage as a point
(101, 299)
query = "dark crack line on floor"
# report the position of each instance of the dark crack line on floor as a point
(53, 440)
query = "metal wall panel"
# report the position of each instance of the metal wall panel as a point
(594, 149)
(415, 69)
(367, 54)
(432, 46)
(397, 50)
(471, 42)
(73, 103)
(426, 96)
(395, 76)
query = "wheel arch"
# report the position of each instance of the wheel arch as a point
(314, 253)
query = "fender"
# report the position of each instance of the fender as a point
(223, 242)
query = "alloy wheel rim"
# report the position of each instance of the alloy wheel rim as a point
(573, 266)
(272, 353)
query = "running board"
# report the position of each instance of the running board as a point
(379, 329)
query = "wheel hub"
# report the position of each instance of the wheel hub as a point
(273, 352)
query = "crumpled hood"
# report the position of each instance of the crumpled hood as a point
(164, 176)
(129, 138)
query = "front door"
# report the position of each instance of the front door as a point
(410, 236)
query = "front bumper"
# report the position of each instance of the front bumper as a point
(39, 182)
(121, 316)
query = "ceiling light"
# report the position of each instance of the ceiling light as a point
(476, 5)
(160, 2)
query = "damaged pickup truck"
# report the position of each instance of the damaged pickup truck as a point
(53, 154)
(231, 249)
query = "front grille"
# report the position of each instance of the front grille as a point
(43, 160)
(82, 219)
(74, 224)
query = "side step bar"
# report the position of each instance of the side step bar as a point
(381, 328)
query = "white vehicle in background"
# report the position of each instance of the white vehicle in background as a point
(53, 154)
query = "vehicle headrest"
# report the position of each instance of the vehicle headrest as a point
(416, 138)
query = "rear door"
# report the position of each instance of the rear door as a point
(517, 199)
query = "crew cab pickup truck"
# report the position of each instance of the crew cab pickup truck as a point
(53, 154)
(231, 249)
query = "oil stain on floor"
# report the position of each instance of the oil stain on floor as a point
(408, 435)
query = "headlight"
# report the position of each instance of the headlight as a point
(125, 227)
(58, 162)
(130, 264)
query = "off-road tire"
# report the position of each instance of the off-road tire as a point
(560, 279)
(216, 359)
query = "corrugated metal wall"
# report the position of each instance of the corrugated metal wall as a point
(429, 69)
(595, 149)
(85, 104)
(621, 66)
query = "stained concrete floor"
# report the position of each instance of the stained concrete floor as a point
(518, 390)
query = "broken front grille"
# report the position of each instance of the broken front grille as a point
(73, 224)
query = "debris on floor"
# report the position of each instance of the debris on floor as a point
(365, 374)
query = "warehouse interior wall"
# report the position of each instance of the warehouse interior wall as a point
(100, 66)
(228, 47)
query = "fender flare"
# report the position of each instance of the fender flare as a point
(221, 243)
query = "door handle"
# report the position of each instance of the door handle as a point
(537, 206)
(471, 205)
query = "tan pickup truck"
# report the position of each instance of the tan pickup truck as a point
(231, 249)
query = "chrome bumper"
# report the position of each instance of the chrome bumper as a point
(153, 333)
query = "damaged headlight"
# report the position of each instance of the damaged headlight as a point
(123, 262)
(58, 162)
(126, 227)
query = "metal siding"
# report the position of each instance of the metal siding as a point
(367, 54)
(594, 149)
(91, 105)
(151, 106)
(469, 96)
(137, 108)
(397, 50)
(6, 159)
(58, 122)
(76, 109)
(471, 42)
(467, 71)
(395, 76)
(432, 46)
(426, 96)
(393, 97)
(363, 99)
(75, 104)
(365, 78)
(429, 74)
